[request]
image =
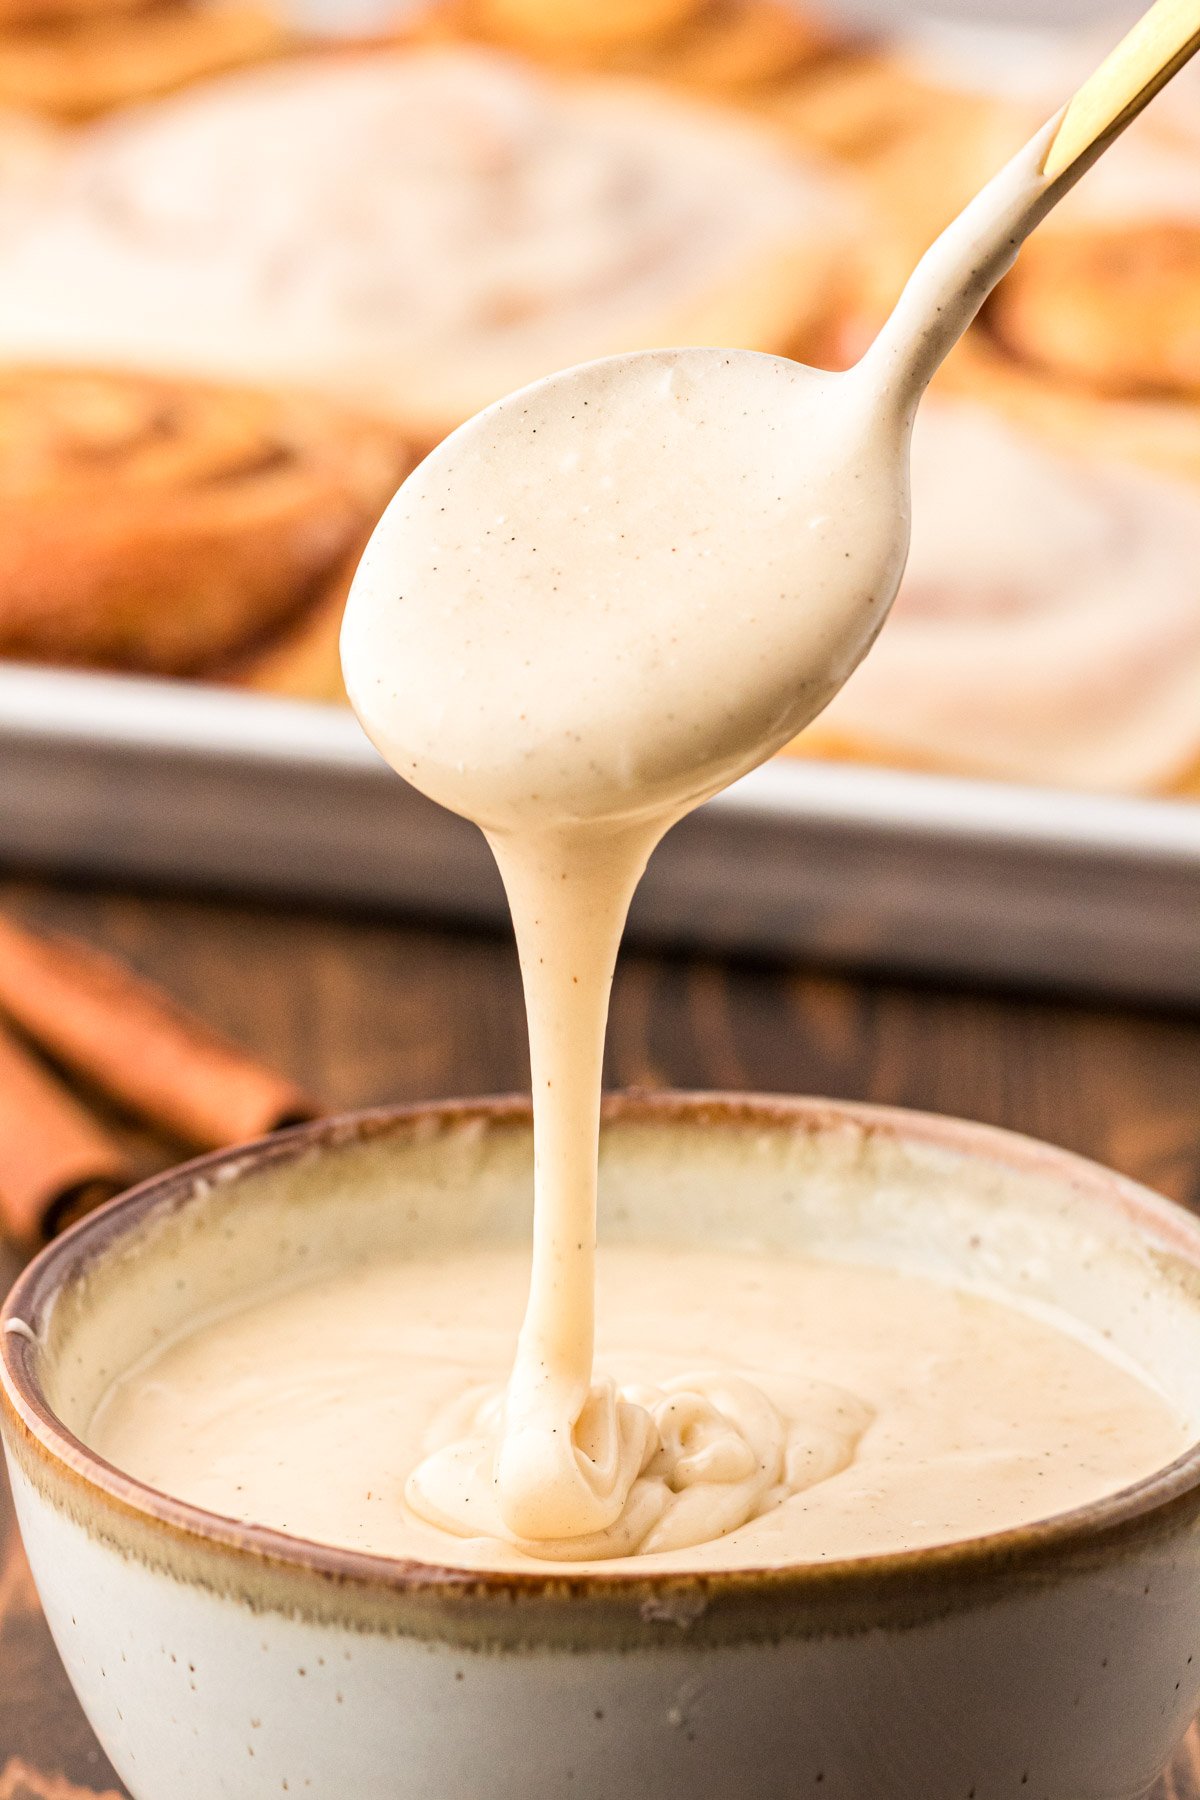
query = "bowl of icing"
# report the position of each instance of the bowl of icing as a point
(932, 1599)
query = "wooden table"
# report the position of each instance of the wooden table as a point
(365, 1011)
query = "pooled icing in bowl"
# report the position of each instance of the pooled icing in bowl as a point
(883, 1410)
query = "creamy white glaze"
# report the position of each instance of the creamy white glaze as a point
(907, 1412)
(592, 607)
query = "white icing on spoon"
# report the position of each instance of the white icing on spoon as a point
(597, 603)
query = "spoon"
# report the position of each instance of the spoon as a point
(1163, 39)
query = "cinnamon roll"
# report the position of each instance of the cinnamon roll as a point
(1065, 652)
(175, 527)
(1107, 294)
(422, 231)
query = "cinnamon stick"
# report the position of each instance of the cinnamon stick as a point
(55, 1161)
(136, 1044)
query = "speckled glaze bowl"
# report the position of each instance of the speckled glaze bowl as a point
(1058, 1662)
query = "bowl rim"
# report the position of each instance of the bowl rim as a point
(1145, 1504)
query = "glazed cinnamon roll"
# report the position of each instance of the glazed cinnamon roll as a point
(423, 231)
(1065, 652)
(172, 526)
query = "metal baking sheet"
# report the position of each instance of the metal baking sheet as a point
(856, 867)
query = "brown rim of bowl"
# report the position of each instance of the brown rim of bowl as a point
(1142, 1507)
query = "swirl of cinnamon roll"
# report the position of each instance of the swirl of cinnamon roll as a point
(158, 525)
(421, 231)
(1066, 651)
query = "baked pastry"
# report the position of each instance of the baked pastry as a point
(1107, 293)
(422, 231)
(74, 62)
(173, 527)
(727, 47)
(1065, 653)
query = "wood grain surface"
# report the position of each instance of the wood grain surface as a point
(364, 1011)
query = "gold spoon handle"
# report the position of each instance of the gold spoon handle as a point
(1144, 61)
(960, 269)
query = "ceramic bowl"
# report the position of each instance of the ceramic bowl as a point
(1054, 1662)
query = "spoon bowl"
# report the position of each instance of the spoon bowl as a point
(774, 496)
